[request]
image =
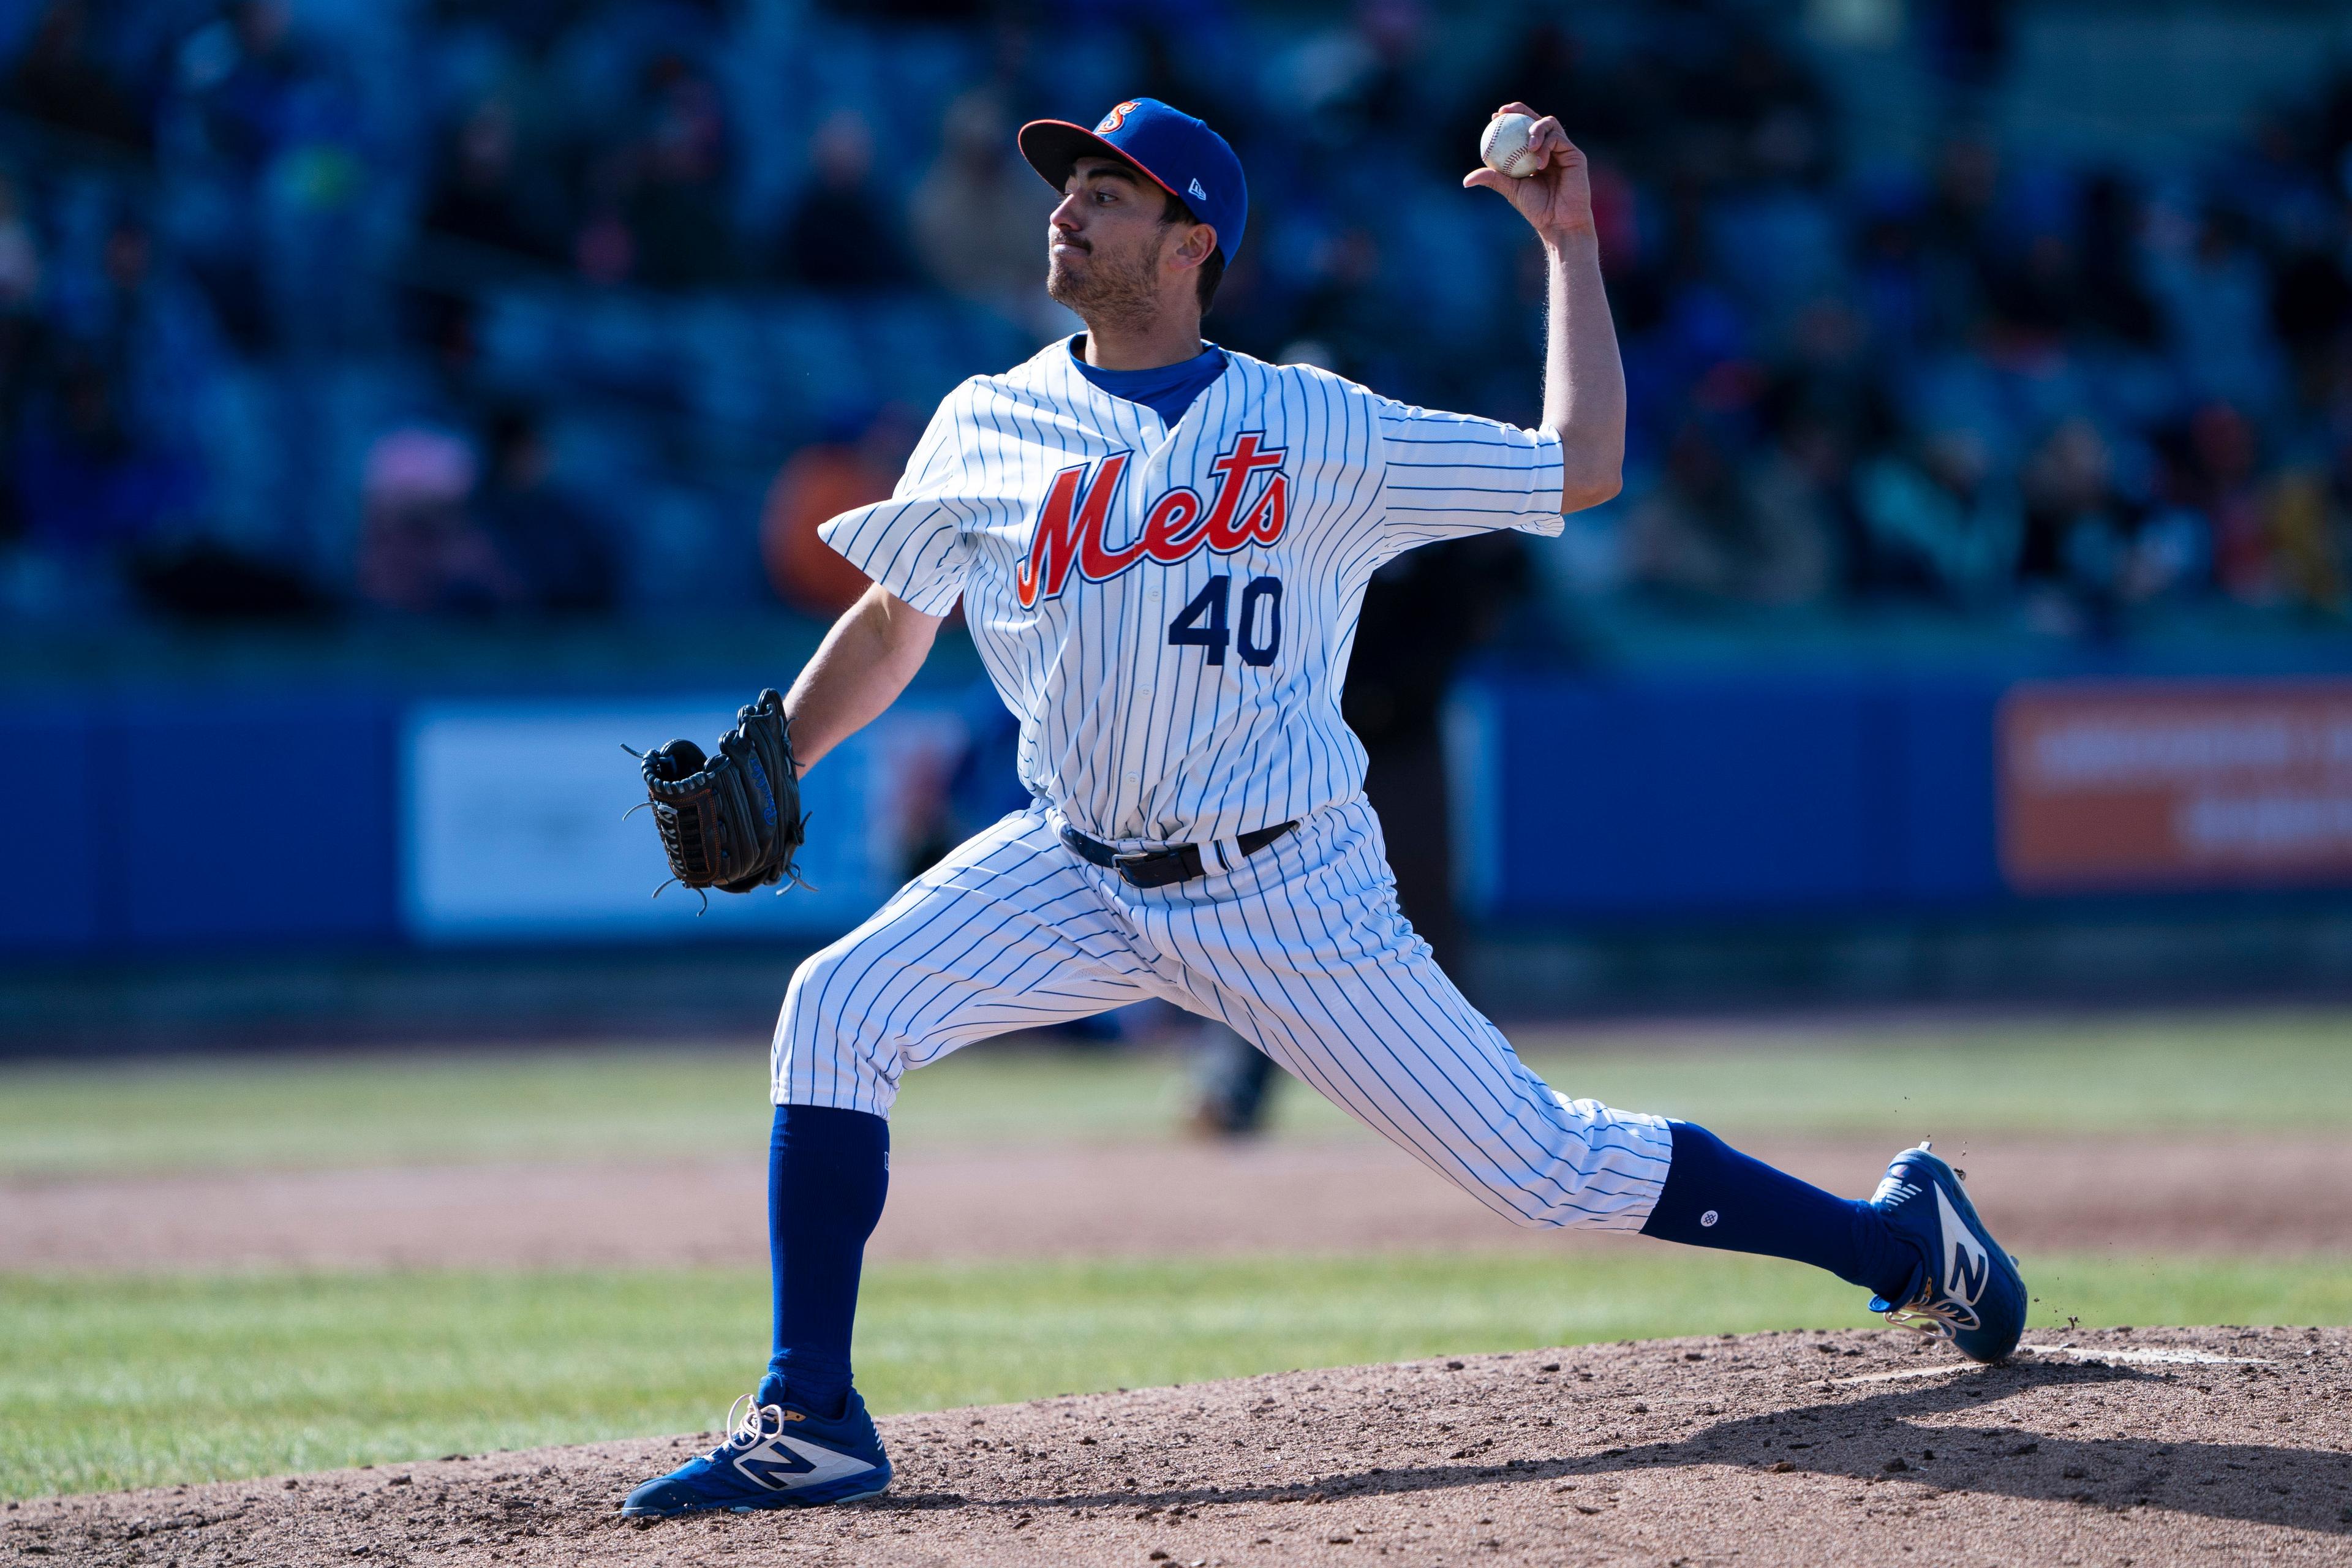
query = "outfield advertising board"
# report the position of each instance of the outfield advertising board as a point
(2130, 785)
(515, 823)
(1603, 799)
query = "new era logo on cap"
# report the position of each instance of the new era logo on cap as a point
(1195, 190)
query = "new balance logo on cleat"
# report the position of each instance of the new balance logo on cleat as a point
(1967, 1267)
(781, 1466)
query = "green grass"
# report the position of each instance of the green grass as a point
(491, 1105)
(108, 1383)
(2270, 1072)
(118, 1382)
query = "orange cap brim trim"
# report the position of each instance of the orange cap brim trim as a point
(1058, 144)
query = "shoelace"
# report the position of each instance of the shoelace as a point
(747, 1431)
(1931, 1313)
(1942, 1318)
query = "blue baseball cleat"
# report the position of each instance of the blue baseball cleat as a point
(775, 1457)
(1969, 1290)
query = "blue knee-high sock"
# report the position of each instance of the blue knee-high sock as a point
(1717, 1196)
(828, 1172)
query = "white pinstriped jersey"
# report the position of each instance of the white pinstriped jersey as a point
(1169, 611)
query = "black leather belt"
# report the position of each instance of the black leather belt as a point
(1158, 867)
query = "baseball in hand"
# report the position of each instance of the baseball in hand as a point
(1504, 147)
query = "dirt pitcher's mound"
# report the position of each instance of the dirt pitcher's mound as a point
(2168, 1445)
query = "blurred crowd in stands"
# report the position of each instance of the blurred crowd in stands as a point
(587, 306)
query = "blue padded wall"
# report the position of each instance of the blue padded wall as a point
(54, 876)
(1947, 835)
(258, 820)
(1731, 795)
(214, 821)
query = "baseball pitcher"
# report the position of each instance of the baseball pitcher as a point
(1160, 546)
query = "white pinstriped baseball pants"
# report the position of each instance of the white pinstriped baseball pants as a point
(1303, 952)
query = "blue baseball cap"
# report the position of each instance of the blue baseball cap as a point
(1177, 153)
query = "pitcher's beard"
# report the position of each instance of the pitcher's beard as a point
(1106, 293)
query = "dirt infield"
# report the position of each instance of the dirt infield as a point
(2284, 1196)
(2170, 1446)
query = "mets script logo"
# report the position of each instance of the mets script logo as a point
(1071, 525)
(1116, 118)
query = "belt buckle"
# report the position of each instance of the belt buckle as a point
(1158, 867)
